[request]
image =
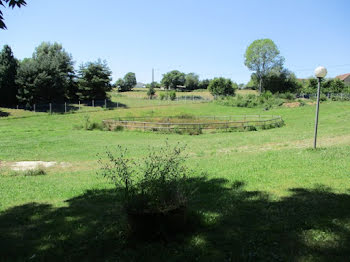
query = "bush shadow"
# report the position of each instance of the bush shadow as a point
(227, 223)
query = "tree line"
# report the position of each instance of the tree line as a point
(49, 76)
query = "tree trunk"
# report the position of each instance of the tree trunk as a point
(260, 85)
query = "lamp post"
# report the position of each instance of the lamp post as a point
(320, 72)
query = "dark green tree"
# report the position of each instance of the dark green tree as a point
(8, 71)
(12, 4)
(51, 74)
(191, 81)
(173, 79)
(263, 56)
(222, 87)
(203, 84)
(94, 80)
(26, 81)
(127, 83)
(279, 81)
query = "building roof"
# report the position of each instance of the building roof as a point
(343, 77)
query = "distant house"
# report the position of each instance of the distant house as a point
(345, 78)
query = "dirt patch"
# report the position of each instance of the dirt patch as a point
(30, 165)
(292, 104)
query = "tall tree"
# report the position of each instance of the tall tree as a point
(191, 81)
(173, 79)
(8, 71)
(52, 75)
(12, 4)
(262, 56)
(94, 80)
(26, 81)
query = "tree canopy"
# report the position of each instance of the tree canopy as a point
(191, 81)
(8, 71)
(127, 83)
(12, 4)
(94, 80)
(47, 76)
(173, 79)
(222, 87)
(262, 56)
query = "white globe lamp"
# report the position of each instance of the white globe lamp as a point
(320, 72)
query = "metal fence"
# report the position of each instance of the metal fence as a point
(90, 105)
(334, 96)
(203, 122)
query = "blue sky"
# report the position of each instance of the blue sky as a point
(206, 37)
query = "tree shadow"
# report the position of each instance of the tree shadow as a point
(229, 223)
(4, 114)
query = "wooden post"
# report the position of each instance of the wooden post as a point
(50, 108)
(79, 105)
(93, 103)
(65, 107)
(117, 104)
(34, 108)
(17, 106)
(105, 103)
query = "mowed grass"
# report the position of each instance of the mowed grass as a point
(258, 196)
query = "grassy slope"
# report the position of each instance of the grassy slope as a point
(265, 196)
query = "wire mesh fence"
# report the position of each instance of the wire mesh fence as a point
(176, 123)
(91, 105)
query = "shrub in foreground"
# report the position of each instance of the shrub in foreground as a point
(154, 190)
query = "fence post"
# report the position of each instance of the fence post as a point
(79, 105)
(93, 103)
(65, 107)
(105, 103)
(117, 104)
(34, 108)
(50, 108)
(17, 106)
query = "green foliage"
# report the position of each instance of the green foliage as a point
(127, 83)
(12, 4)
(222, 87)
(172, 95)
(334, 86)
(47, 76)
(151, 91)
(90, 125)
(173, 79)
(157, 184)
(8, 71)
(203, 84)
(191, 81)
(281, 81)
(163, 95)
(262, 56)
(94, 80)
(267, 100)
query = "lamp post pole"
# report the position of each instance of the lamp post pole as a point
(320, 72)
(317, 110)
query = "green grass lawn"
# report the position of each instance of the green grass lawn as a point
(260, 196)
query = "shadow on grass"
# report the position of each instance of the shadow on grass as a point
(4, 114)
(229, 224)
